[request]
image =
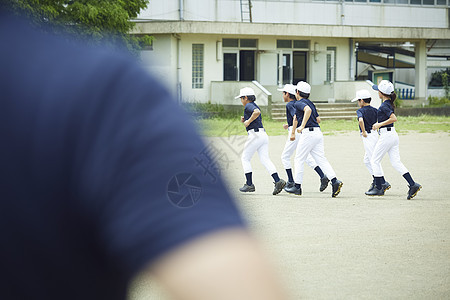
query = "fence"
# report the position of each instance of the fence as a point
(405, 93)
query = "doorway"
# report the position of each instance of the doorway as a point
(300, 66)
(239, 65)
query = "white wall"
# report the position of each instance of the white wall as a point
(302, 12)
(163, 62)
(213, 68)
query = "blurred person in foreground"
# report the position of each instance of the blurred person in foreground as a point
(89, 145)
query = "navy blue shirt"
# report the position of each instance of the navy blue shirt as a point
(299, 111)
(290, 112)
(369, 115)
(89, 145)
(384, 112)
(248, 111)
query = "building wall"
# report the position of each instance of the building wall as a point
(162, 61)
(303, 12)
(323, 23)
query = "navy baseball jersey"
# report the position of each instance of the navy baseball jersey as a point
(88, 151)
(290, 112)
(299, 111)
(384, 112)
(248, 111)
(369, 115)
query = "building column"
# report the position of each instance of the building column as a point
(352, 60)
(421, 70)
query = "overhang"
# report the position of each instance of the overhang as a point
(290, 30)
(386, 62)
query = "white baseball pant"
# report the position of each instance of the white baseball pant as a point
(257, 141)
(369, 143)
(289, 149)
(387, 143)
(311, 142)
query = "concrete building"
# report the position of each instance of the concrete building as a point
(207, 49)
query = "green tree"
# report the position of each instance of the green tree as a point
(445, 82)
(94, 21)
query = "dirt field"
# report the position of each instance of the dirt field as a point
(352, 246)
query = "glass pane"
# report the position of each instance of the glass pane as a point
(230, 43)
(394, 1)
(399, 1)
(197, 66)
(299, 67)
(246, 65)
(416, 2)
(301, 44)
(284, 44)
(286, 68)
(375, 1)
(248, 43)
(441, 2)
(230, 66)
(428, 2)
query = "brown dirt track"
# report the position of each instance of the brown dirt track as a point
(352, 246)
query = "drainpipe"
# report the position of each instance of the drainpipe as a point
(178, 37)
(181, 10)
(342, 12)
(179, 90)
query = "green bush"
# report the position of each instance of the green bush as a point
(209, 110)
(398, 102)
(439, 101)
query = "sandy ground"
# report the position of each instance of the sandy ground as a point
(352, 246)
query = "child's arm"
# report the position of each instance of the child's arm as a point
(254, 115)
(306, 114)
(392, 119)
(294, 127)
(363, 128)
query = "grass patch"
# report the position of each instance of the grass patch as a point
(233, 126)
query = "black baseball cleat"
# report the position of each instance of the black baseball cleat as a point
(371, 187)
(288, 185)
(385, 186)
(375, 192)
(336, 188)
(323, 183)
(413, 190)
(247, 188)
(294, 190)
(279, 185)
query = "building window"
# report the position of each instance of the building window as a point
(242, 43)
(284, 44)
(331, 64)
(247, 43)
(230, 43)
(296, 44)
(197, 66)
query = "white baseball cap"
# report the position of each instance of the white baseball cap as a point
(361, 94)
(288, 88)
(304, 87)
(385, 86)
(247, 91)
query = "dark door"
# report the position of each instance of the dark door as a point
(246, 65)
(230, 67)
(299, 63)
